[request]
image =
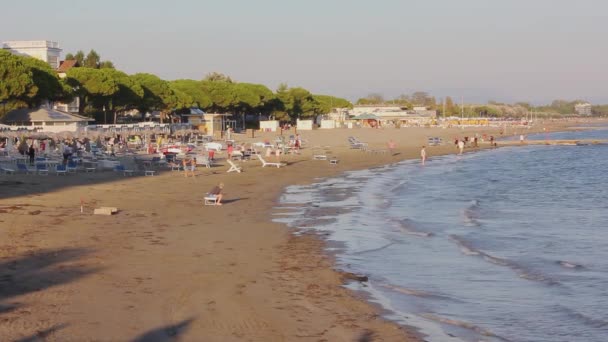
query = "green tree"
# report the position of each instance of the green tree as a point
(92, 60)
(327, 103)
(17, 80)
(50, 86)
(79, 57)
(200, 98)
(217, 76)
(158, 95)
(450, 109)
(69, 57)
(92, 86)
(128, 95)
(106, 65)
(421, 98)
(371, 99)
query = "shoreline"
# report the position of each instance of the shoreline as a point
(177, 268)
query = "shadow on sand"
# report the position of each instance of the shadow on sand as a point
(165, 334)
(36, 272)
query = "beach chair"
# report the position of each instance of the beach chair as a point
(265, 163)
(60, 170)
(175, 166)
(41, 169)
(210, 199)
(7, 170)
(356, 144)
(72, 166)
(234, 167)
(202, 160)
(318, 154)
(125, 171)
(24, 168)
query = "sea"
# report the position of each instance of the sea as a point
(505, 244)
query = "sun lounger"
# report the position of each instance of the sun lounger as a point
(72, 166)
(7, 170)
(125, 171)
(265, 163)
(41, 169)
(60, 169)
(234, 167)
(202, 160)
(356, 144)
(210, 199)
(24, 168)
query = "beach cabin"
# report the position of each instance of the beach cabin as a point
(46, 120)
(208, 123)
(304, 125)
(269, 126)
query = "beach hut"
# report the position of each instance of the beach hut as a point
(367, 119)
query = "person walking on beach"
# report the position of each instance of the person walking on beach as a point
(217, 191)
(460, 146)
(32, 154)
(423, 154)
(391, 146)
(521, 138)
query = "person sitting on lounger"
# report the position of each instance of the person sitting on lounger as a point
(217, 192)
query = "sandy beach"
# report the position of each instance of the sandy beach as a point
(167, 268)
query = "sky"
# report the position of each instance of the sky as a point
(476, 50)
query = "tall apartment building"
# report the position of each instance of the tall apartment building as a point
(41, 49)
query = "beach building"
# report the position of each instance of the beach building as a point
(44, 50)
(208, 123)
(62, 70)
(46, 120)
(583, 109)
(390, 114)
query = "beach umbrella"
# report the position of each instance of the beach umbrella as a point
(366, 116)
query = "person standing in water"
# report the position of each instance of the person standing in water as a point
(423, 154)
(460, 146)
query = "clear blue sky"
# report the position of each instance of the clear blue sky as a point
(515, 50)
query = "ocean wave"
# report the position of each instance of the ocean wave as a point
(463, 324)
(471, 214)
(411, 292)
(374, 249)
(568, 264)
(523, 272)
(590, 321)
(408, 226)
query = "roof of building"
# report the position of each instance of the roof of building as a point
(41, 115)
(67, 65)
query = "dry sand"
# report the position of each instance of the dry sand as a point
(167, 268)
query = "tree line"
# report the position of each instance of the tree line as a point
(107, 92)
(447, 107)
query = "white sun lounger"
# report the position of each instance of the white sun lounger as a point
(233, 167)
(265, 163)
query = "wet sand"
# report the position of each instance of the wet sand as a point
(167, 268)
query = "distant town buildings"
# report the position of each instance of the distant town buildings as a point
(583, 109)
(41, 49)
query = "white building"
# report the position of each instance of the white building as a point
(583, 108)
(46, 120)
(41, 49)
